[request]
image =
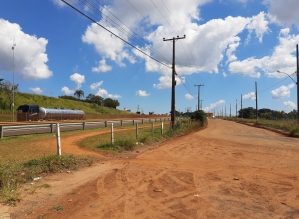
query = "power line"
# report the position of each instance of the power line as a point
(115, 34)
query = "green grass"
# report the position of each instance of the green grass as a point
(45, 101)
(13, 175)
(289, 126)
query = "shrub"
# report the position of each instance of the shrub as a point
(201, 116)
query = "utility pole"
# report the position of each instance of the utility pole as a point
(198, 96)
(13, 79)
(230, 110)
(256, 109)
(241, 109)
(225, 111)
(173, 78)
(236, 109)
(297, 84)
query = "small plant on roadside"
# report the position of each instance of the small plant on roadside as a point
(58, 208)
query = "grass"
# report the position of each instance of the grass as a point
(289, 126)
(13, 175)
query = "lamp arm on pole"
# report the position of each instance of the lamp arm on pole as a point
(288, 75)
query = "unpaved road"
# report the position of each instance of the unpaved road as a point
(227, 170)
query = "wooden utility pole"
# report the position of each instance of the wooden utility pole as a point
(297, 84)
(173, 78)
(198, 96)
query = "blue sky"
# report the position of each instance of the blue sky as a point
(229, 46)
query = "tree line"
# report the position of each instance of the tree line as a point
(91, 98)
(250, 113)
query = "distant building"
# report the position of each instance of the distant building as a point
(210, 115)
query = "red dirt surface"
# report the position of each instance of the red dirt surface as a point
(227, 170)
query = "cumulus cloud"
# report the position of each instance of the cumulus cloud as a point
(95, 86)
(290, 105)
(214, 106)
(104, 93)
(283, 12)
(103, 67)
(78, 79)
(142, 93)
(29, 52)
(67, 91)
(249, 96)
(36, 90)
(282, 92)
(189, 96)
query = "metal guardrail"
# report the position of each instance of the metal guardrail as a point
(84, 124)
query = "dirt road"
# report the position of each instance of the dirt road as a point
(228, 170)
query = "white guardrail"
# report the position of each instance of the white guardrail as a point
(84, 124)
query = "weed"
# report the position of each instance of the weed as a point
(58, 208)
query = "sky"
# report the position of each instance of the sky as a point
(115, 49)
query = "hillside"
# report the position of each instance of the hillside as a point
(51, 102)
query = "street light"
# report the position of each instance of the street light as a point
(13, 80)
(288, 75)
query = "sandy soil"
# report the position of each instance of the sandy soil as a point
(228, 170)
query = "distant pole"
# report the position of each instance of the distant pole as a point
(230, 110)
(198, 96)
(297, 85)
(173, 79)
(225, 111)
(236, 109)
(256, 108)
(241, 113)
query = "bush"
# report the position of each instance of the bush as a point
(200, 116)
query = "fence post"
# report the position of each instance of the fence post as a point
(112, 134)
(133, 121)
(58, 139)
(142, 121)
(52, 127)
(84, 125)
(136, 130)
(162, 128)
(105, 123)
(121, 123)
(1, 131)
(153, 128)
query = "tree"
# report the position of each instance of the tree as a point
(108, 102)
(6, 88)
(91, 98)
(79, 94)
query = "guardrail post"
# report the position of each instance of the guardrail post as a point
(136, 130)
(162, 128)
(121, 123)
(84, 125)
(105, 123)
(112, 134)
(153, 128)
(133, 121)
(52, 127)
(1, 131)
(142, 121)
(58, 139)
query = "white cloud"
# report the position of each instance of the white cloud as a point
(283, 12)
(67, 91)
(282, 92)
(189, 96)
(214, 106)
(259, 25)
(142, 93)
(166, 82)
(249, 96)
(104, 93)
(29, 53)
(36, 90)
(60, 3)
(95, 86)
(290, 104)
(103, 67)
(78, 79)
(224, 74)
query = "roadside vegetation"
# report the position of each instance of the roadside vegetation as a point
(25, 159)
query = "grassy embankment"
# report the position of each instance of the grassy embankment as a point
(290, 127)
(24, 158)
(91, 110)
